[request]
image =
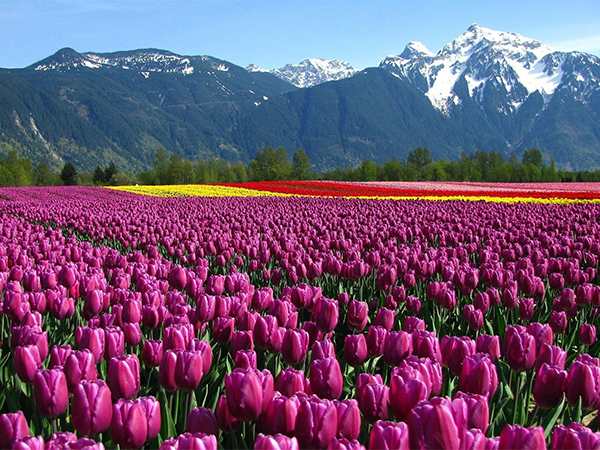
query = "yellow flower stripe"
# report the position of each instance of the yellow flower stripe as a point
(205, 190)
(196, 190)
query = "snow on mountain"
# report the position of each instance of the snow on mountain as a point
(255, 68)
(482, 58)
(311, 72)
(144, 61)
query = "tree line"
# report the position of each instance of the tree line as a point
(274, 164)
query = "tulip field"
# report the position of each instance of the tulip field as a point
(293, 315)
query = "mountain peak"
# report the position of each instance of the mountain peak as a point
(313, 71)
(415, 49)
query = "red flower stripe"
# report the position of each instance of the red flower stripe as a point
(336, 189)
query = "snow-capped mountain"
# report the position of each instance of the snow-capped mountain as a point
(313, 71)
(144, 61)
(482, 63)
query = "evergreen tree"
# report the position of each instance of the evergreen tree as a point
(69, 174)
(98, 177)
(419, 158)
(109, 173)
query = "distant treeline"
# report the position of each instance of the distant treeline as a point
(274, 164)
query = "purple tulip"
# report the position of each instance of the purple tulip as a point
(316, 423)
(349, 422)
(583, 381)
(294, 346)
(433, 425)
(326, 314)
(244, 393)
(152, 352)
(587, 334)
(91, 408)
(376, 337)
(291, 381)
(373, 399)
(474, 409)
(12, 426)
(426, 345)
(277, 442)
(489, 344)
(202, 420)
(558, 322)
(78, 367)
(344, 444)
(124, 376)
(322, 349)
(151, 408)
(59, 355)
(355, 349)
(454, 350)
(389, 435)
(225, 419)
(27, 362)
(357, 316)
(574, 436)
(281, 414)
(515, 436)
(519, 349)
(551, 355)
(408, 386)
(326, 378)
(479, 375)
(188, 370)
(549, 386)
(129, 425)
(92, 339)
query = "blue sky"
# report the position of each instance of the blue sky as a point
(271, 33)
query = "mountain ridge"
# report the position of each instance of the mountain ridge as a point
(485, 90)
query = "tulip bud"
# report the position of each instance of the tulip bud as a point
(398, 346)
(326, 378)
(542, 333)
(241, 340)
(27, 362)
(277, 442)
(558, 322)
(280, 416)
(551, 355)
(188, 370)
(349, 421)
(92, 339)
(223, 328)
(166, 371)
(124, 376)
(376, 337)
(389, 435)
(519, 349)
(433, 425)
(129, 426)
(29, 443)
(488, 344)
(12, 426)
(357, 316)
(454, 350)
(225, 419)
(114, 342)
(316, 423)
(91, 409)
(355, 349)
(151, 408)
(373, 399)
(202, 420)
(587, 334)
(574, 436)
(408, 386)
(59, 355)
(244, 392)
(548, 389)
(152, 352)
(474, 408)
(294, 346)
(78, 367)
(479, 375)
(291, 381)
(583, 381)
(515, 436)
